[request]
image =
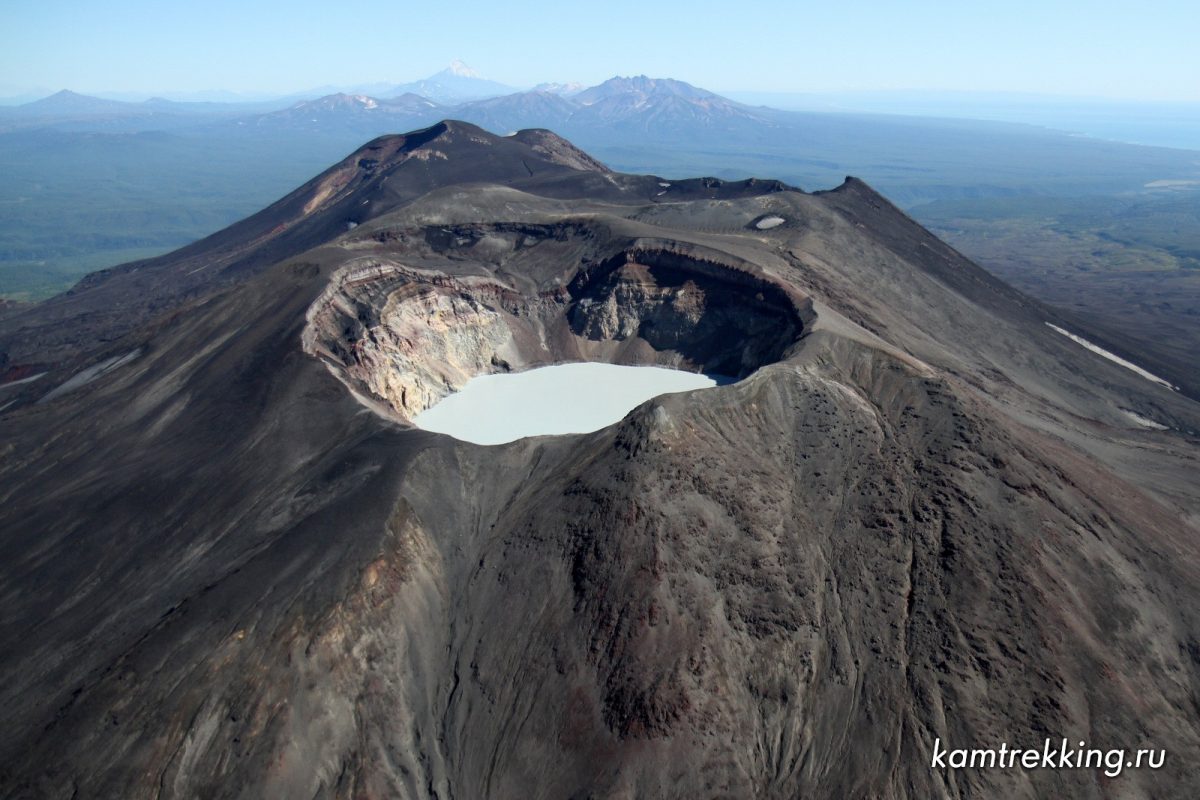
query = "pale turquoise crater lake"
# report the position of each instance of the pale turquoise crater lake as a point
(552, 401)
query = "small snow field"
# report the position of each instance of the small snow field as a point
(30, 379)
(84, 377)
(1116, 359)
(1144, 422)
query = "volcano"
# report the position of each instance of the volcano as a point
(917, 514)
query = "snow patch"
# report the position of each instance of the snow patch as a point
(30, 379)
(84, 377)
(766, 223)
(1171, 184)
(1144, 421)
(1113, 357)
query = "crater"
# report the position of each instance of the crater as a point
(404, 337)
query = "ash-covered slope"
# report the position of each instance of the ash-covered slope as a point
(233, 569)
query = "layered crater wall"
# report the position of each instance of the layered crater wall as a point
(404, 337)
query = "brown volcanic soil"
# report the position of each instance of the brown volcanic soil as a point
(234, 570)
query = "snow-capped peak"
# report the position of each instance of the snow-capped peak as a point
(461, 70)
(564, 89)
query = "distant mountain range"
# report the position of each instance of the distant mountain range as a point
(649, 107)
(343, 111)
(661, 109)
(663, 105)
(1148, 123)
(457, 83)
(67, 110)
(67, 103)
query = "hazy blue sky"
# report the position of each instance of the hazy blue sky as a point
(1145, 50)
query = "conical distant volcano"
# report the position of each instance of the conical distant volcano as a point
(455, 84)
(919, 514)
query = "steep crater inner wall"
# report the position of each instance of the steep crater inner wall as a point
(410, 337)
(712, 318)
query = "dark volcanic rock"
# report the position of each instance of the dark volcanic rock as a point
(233, 569)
